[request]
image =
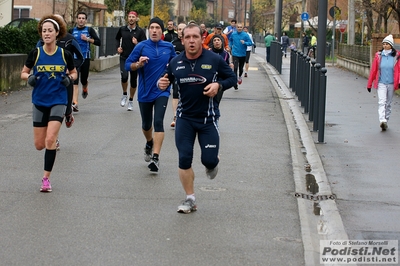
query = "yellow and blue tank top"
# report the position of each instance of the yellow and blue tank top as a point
(49, 70)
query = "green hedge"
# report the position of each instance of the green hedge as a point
(19, 40)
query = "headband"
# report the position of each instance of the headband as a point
(132, 13)
(53, 21)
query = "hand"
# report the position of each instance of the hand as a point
(369, 89)
(211, 89)
(163, 82)
(84, 37)
(32, 80)
(143, 60)
(66, 81)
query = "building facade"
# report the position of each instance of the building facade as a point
(66, 8)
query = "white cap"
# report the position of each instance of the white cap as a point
(389, 39)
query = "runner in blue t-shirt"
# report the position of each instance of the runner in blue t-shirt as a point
(85, 36)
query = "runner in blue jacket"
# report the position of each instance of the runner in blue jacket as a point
(150, 58)
(238, 43)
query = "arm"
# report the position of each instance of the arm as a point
(29, 63)
(78, 53)
(207, 41)
(94, 37)
(72, 73)
(226, 43)
(248, 41)
(227, 78)
(135, 61)
(373, 71)
(118, 41)
(166, 79)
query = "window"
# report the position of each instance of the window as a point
(21, 12)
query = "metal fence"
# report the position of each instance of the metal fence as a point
(107, 37)
(308, 81)
(355, 52)
(276, 56)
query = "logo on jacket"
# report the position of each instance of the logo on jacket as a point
(206, 66)
(194, 79)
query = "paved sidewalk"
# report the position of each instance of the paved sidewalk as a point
(360, 161)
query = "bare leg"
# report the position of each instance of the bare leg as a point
(148, 134)
(45, 137)
(124, 86)
(187, 179)
(131, 92)
(75, 94)
(158, 141)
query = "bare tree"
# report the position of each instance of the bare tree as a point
(382, 8)
(395, 5)
(370, 22)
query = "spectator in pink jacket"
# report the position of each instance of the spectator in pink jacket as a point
(384, 75)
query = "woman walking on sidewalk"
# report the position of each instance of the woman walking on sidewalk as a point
(384, 74)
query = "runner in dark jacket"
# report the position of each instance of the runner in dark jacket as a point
(200, 74)
(126, 39)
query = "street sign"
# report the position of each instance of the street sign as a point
(333, 10)
(304, 16)
(342, 27)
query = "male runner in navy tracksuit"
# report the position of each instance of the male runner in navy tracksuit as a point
(200, 74)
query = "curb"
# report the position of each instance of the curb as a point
(328, 225)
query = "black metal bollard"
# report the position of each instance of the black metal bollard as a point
(312, 89)
(298, 72)
(279, 59)
(307, 86)
(316, 96)
(301, 74)
(322, 105)
(272, 54)
(293, 59)
(304, 80)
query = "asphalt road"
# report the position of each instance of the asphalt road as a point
(106, 208)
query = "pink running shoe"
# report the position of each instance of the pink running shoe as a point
(46, 186)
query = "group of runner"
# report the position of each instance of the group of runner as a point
(168, 58)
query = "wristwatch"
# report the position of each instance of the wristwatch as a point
(220, 87)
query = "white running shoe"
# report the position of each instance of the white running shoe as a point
(130, 106)
(124, 99)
